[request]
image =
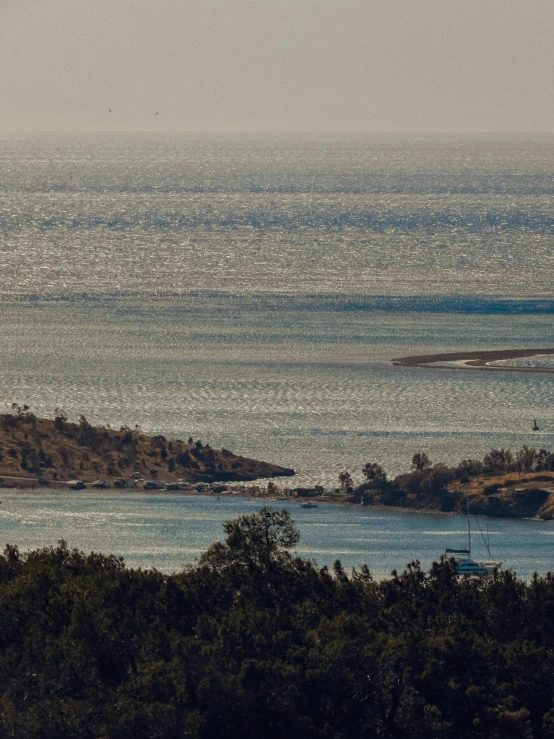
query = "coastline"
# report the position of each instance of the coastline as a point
(251, 491)
(261, 496)
(244, 495)
(40, 451)
(476, 360)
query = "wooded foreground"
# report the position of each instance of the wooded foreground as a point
(256, 642)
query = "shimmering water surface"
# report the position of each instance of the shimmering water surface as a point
(305, 387)
(251, 292)
(377, 215)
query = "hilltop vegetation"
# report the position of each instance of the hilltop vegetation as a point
(256, 642)
(55, 450)
(502, 484)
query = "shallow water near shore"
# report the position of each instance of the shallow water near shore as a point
(169, 531)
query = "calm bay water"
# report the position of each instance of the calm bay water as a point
(251, 292)
(167, 532)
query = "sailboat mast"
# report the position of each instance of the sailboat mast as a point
(468, 528)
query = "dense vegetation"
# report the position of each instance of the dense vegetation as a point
(256, 642)
(50, 450)
(517, 484)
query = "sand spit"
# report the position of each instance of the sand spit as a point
(477, 360)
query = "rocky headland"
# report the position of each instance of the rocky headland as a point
(41, 451)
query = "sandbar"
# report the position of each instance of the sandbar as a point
(476, 360)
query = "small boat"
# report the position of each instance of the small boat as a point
(462, 557)
(467, 566)
(535, 427)
(309, 504)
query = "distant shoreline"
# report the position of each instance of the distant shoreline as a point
(476, 360)
(261, 498)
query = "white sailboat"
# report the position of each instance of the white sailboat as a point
(462, 557)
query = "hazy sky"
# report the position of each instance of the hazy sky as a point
(277, 65)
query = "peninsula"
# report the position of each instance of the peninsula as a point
(477, 360)
(52, 452)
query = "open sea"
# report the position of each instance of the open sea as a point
(251, 292)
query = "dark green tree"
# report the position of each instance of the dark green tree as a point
(346, 484)
(420, 461)
(257, 538)
(374, 473)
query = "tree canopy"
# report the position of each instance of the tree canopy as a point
(255, 641)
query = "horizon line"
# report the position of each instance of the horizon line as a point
(282, 132)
